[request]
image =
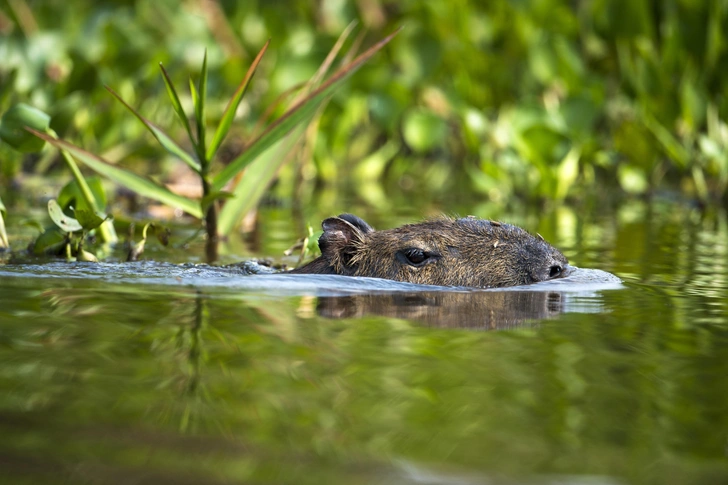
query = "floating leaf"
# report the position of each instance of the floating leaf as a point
(66, 223)
(13, 124)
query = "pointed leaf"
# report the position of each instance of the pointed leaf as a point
(200, 108)
(298, 113)
(138, 184)
(163, 139)
(177, 105)
(229, 114)
(4, 243)
(66, 223)
(13, 123)
(258, 177)
(89, 219)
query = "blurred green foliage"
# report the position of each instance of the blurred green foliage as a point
(530, 100)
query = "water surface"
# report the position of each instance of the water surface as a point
(163, 373)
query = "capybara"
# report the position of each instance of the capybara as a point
(467, 252)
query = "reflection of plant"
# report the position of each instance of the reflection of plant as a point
(257, 167)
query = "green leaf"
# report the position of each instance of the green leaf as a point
(252, 187)
(84, 255)
(89, 219)
(177, 105)
(66, 223)
(138, 184)
(200, 109)
(229, 114)
(568, 171)
(212, 197)
(161, 136)
(13, 124)
(50, 241)
(71, 194)
(672, 146)
(4, 243)
(302, 111)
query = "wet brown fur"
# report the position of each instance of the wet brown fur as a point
(448, 252)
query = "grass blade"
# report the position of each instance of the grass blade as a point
(161, 136)
(251, 188)
(177, 105)
(229, 114)
(304, 110)
(140, 185)
(200, 111)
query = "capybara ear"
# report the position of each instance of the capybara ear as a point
(357, 222)
(340, 241)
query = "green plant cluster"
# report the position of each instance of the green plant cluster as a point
(517, 100)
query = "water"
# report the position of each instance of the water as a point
(163, 373)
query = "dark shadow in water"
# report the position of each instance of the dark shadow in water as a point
(473, 310)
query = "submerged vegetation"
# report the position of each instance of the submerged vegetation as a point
(520, 102)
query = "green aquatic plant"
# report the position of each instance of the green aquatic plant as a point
(70, 233)
(14, 126)
(254, 161)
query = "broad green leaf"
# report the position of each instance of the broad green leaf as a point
(163, 139)
(50, 241)
(227, 118)
(200, 109)
(177, 105)
(66, 223)
(302, 111)
(13, 124)
(88, 219)
(423, 130)
(138, 184)
(71, 194)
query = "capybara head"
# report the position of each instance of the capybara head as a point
(448, 252)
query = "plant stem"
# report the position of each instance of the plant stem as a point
(211, 247)
(106, 229)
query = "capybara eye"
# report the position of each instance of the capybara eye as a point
(415, 256)
(555, 271)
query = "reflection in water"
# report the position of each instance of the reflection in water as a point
(477, 310)
(148, 373)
